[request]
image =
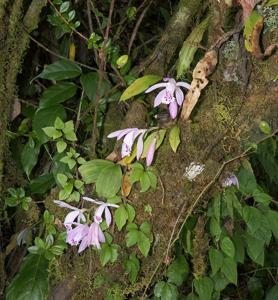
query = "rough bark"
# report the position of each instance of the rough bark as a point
(15, 26)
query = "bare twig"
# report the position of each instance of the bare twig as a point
(163, 190)
(58, 55)
(97, 18)
(137, 25)
(102, 68)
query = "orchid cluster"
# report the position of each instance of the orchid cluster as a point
(171, 95)
(130, 135)
(78, 231)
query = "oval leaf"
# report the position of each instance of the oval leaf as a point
(139, 86)
(60, 70)
(174, 138)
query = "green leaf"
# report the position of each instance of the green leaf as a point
(144, 243)
(57, 93)
(131, 212)
(145, 182)
(62, 179)
(132, 237)
(166, 291)
(132, 267)
(29, 156)
(42, 184)
(89, 84)
(153, 179)
(253, 21)
(31, 282)
(64, 6)
(61, 70)
(216, 206)
(247, 181)
(272, 217)
(145, 227)
(252, 216)
(105, 254)
(90, 170)
(220, 281)
(109, 181)
(204, 288)
(121, 217)
(178, 271)
(45, 117)
(215, 229)
(255, 249)
(174, 138)
(273, 293)
(261, 197)
(265, 128)
(51, 131)
(229, 269)
(139, 86)
(239, 247)
(190, 46)
(271, 3)
(191, 296)
(227, 246)
(59, 124)
(216, 260)
(61, 146)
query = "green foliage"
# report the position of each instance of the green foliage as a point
(132, 267)
(174, 138)
(147, 178)
(141, 236)
(166, 291)
(123, 214)
(31, 283)
(57, 93)
(178, 271)
(139, 86)
(61, 70)
(18, 198)
(190, 47)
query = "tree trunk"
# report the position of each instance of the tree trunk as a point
(224, 120)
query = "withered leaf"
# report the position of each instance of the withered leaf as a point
(202, 70)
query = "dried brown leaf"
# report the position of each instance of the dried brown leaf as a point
(202, 70)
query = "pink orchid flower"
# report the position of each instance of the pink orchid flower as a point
(76, 213)
(229, 181)
(103, 207)
(130, 135)
(93, 237)
(75, 235)
(172, 95)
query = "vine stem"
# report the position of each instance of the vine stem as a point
(102, 68)
(172, 241)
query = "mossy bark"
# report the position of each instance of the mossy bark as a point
(15, 27)
(16, 23)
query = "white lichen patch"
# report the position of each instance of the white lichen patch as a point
(193, 170)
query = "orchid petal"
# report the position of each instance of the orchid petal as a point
(121, 132)
(179, 96)
(83, 244)
(184, 84)
(101, 236)
(156, 86)
(173, 109)
(81, 217)
(94, 233)
(150, 153)
(99, 211)
(159, 97)
(171, 85)
(108, 218)
(70, 217)
(125, 132)
(140, 146)
(92, 200)
(64, 205)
